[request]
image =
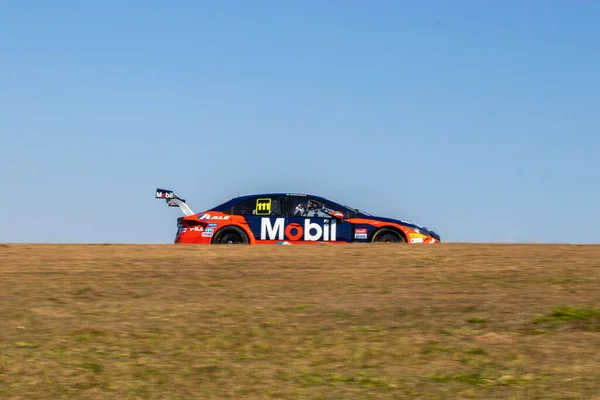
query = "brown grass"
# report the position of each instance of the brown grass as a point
(448, 321)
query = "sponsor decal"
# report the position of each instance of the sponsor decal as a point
(211, 217)
(311, 231)
(207, 234)
(416, 240)
(209, 230)
(165, 195)
(283, 243)
(213, 225)
(360, 233)
(181, 230)
(196, 229)
(263, 206)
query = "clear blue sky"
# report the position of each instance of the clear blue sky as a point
(479, 119)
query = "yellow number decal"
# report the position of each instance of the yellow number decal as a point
(263, 206)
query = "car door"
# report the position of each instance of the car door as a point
(263, 215)
(310, 219)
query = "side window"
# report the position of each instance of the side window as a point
(297, 206)
(258, 206)
(312, 208)
(245, 207)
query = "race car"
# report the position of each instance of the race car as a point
(288, 218)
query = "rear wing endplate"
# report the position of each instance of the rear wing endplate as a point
(173, 200)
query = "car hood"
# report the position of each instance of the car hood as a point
(410, 225)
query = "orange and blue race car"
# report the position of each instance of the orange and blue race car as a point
(288, 218)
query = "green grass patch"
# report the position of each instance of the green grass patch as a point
(477, 351)
(25, 345)
(467, 378)
(359, 381)
(477, 320)
(570, 318)
(561, 314)
(87, 334)
(93, 366)
(437, 348)
(342, 314)
(481, 379)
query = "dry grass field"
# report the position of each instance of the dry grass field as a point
(447, 321)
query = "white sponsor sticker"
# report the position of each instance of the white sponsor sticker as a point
(211, 217)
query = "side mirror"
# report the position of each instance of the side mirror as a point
(338, 215)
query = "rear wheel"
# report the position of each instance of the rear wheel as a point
(388, 236)
(230, 235)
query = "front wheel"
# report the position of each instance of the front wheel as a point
(387, 236)
(230, 235)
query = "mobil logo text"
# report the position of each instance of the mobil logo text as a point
(311, 231)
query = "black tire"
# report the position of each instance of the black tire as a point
(230, 235)
(387, 236)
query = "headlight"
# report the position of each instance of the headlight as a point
(424, 231)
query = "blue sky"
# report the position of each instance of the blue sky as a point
(476, 118)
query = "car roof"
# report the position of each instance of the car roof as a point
(238, 199)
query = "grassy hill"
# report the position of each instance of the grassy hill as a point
(447, 321)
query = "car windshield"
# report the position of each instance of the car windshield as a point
(358, 211)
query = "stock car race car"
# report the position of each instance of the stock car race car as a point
(288, 218)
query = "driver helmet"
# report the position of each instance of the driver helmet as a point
(299, 210)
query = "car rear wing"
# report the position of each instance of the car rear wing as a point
(173, 200)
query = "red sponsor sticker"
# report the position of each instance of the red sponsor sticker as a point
(360, 231)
